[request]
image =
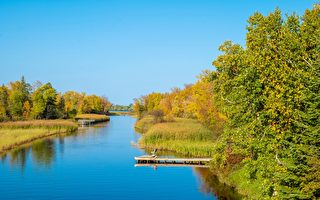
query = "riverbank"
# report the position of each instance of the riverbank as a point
(14, 134)
(91, 150)
(120, 113)
(184, 136)
(96, 117)
(190, 138)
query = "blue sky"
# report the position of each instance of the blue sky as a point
(121, 49)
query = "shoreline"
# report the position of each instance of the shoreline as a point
(5, 150)
(14, 134)
(184, 136)
(143, 126)
(17, 133)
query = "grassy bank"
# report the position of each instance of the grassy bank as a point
(144, 124)
(13, 134)
(96, 117)
(185, 136)
(191, 138)
(48, 124)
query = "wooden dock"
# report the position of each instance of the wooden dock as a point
(170, 165)
(167, 162)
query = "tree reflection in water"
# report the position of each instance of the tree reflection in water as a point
(210, 184)
(18, 157)
(3, 158)
(43, 152)
(61, 145)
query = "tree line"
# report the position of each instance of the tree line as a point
(264, 101)
(20, 100)
(116, 107)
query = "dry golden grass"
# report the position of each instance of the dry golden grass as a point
(39, 124)
(11, 138)
(180, 129)
(185, 147)
(95, 117)
(13, 134)
(144, 124)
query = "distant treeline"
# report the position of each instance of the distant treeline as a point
(20, 100)
(264, 101)
(121, 108)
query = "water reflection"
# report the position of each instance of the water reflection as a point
(18, 157)
(210, 185)
(61, 145)
(92, 148)
(43, 152)
(3, 158)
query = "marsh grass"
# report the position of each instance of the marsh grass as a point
(96, 117)
(185, 147)
(144, 124)
(13, 134)
(185, 136)
(11, 138)
(46, 124)
(180, 129)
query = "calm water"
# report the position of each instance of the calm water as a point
(98, 163)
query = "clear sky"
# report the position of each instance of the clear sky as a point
(121, 49)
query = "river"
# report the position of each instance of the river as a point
(98, 163)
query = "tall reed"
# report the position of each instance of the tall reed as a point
(185, 136)
(46, 124)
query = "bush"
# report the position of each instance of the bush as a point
(158, 116)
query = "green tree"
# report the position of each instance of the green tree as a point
(4, 93)
(270, 95)
(18, 95)
(44, 102)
